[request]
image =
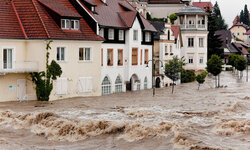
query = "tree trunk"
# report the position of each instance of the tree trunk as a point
(199, 86)
(215, 80)
(173, 87)
(219, 80)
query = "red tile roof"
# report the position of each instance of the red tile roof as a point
(176, 30)
(240, 24)
(242, 48)
(203, 5)
(116, 13)
(37, 23)
(248, 32)
(59, 8)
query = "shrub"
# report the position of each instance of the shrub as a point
(229, 68)
(187, 76)
(200, 78)
(172, 18)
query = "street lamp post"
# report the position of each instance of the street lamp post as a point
(247, 69)
(153, 72)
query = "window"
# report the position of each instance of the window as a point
(135, 35)
(61, 86)
(118, 84)
(138, 87)
(145, 83)
(121, 35)
(120, 57)
(190, 42)
(134, 56)
(166, 50)
(102, 56)
(106, 86)
(148, 37)
(101, 32)
(7, 58)
(141, 57)
(111, 34)
(238, 33)
(84, 54)
(65, 23)
(171, 50)
(201, 60)
(70, 24)
(60, 56)
(75, 24)
(190, 59)
(191, 21)
(85, 84)
(168, 35)
(110, 57)
(201, 43)
(146, 56)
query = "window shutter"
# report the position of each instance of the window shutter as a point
(64, 85)
(58, 86)
(85, 84)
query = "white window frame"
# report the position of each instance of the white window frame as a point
(84, 57)
(121, 35)
(135, 35)
(13, 53)
(201, 60)
(147, 37)
(106, 87)
(111, 34)
(190, 59)
(60, 56)
(145, 83)
(118, 86)
(76, 22)
(65, 25)
(201, 42)
(101, 32)
(138, 85)
(189, 42)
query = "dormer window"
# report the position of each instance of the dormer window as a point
(101, 32)
(68, 24)
(111, 34)
(148, 37)
(93, 8)
(65, 24)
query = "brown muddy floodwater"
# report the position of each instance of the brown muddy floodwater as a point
(208, 119)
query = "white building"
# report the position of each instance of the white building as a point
(127, 47)
(193, 24)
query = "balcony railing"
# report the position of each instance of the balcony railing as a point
(19, 67)
(193, 26)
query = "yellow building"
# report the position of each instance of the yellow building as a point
(239, 30)
(23, 39)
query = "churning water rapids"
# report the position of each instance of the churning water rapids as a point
(208, 119)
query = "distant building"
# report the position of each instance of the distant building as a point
(193, 26)
(247, 37)
(239, 30)
(204, 5)
(167, 43)
(141, 6)
(164, 8)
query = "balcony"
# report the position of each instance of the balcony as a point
(193, 26)
(20, 67)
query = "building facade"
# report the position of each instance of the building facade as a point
(193, 26)
(23, 49)
(239, 30)
(127, 47)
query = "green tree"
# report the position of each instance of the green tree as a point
(44, 79)
(240, 64)
(246, 16)
(200, 78)
(173, 70)
(241, 16)
(187, 76)
(172, 18)
(220, 22)
(214, 66)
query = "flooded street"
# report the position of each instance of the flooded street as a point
(208, 119)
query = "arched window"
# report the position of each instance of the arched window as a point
(106, 86)
(118, 84)
(138, 85)
(145, 83)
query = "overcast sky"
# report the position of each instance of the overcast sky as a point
(230, 8)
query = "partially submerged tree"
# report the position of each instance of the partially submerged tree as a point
(240, 64)
(231, 60)
(200, 78)
(173, 69)
(214, 66)
(44, 79)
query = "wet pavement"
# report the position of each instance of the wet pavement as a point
(206, 119)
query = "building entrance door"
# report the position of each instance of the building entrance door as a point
(21, 89)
